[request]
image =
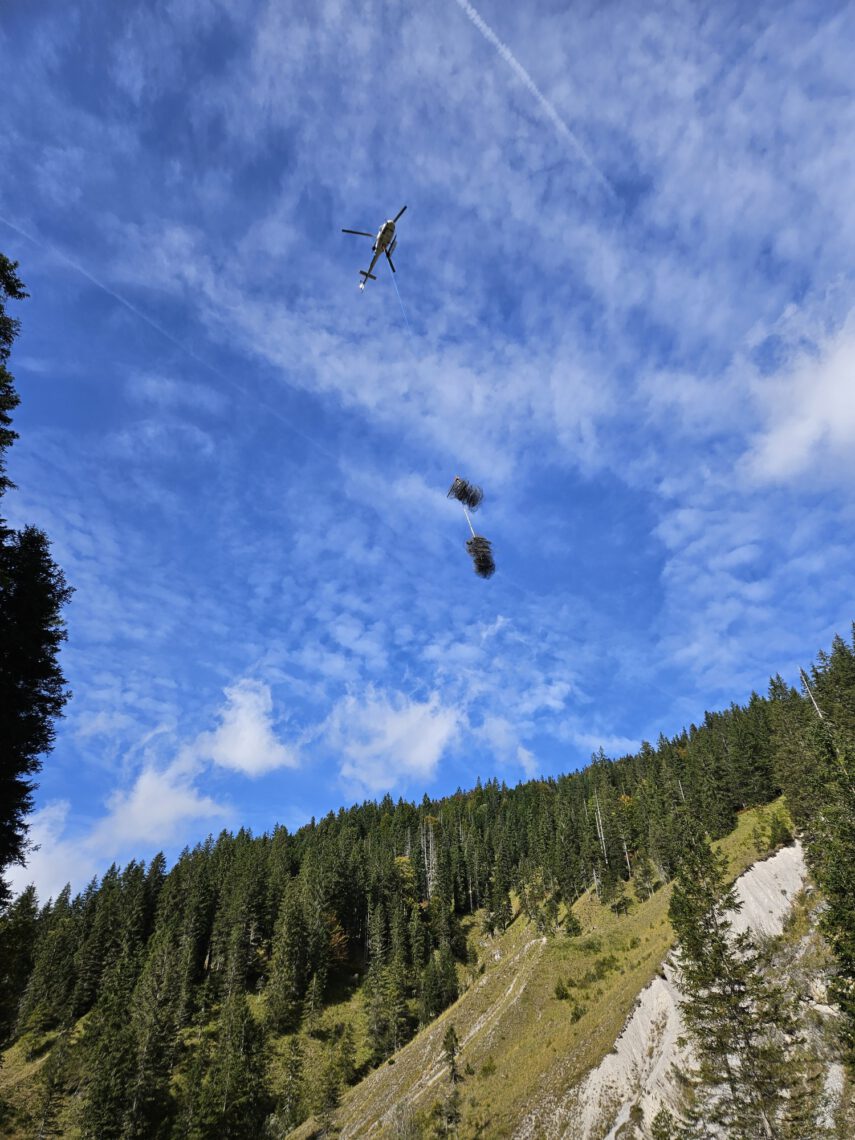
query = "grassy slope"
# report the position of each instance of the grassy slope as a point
(520, 1040)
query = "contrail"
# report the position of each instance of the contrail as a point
(527, 82)
(140, 315)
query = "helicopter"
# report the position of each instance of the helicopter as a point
(385, 242)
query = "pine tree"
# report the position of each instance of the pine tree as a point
(286, 986)
(47, 1000)
(233, 1101)
(327, 1095)
(291, 1109)
(830, 835)
(738, 1021)
(52, 1080)
(154, 1021)
(450, 1049)
(18, 932)
(347, 1056)
(33, 592)
(110, 1050)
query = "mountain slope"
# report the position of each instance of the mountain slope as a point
(525, 1053)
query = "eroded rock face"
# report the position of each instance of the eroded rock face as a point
(638, 1073)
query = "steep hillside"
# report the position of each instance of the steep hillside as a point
(263, 981)
(535, 1064)
(632, 1082)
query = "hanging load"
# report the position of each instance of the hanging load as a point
(482, 555)
(466, 493)
(470, 497)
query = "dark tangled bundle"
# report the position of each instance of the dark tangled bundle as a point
(482, 556)
(466, 493)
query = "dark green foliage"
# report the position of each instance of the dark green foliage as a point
(154, 1017)
(110, 1049)
(53, 1082)
(11, 288)
(47, 1000)
(327, 1095)
(439, 985)
(373, 897)
(290, 1109)
(33, 592)
(572, 925)
(815, 746)
(18, 933)
(231, 1100)
(830, 835)
(286, 985)
(446, 1114)
(450, 1049)
(665, 1127)
(742, 1026)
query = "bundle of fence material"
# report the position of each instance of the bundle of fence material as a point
(466, 493)
(482, 555)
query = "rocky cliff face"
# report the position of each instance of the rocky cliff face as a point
(621, 1096)
(579, 1038)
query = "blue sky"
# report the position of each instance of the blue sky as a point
(626, 269)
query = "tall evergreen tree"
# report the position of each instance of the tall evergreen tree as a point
(154, 1017)
(110, 1048)
(18, 931)
(233, 1102)
(33, 592)
(286, 985)
(740, 1023)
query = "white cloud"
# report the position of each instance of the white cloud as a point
(502, 737)
(152, 811)
(388, 739)
(55, 860)
(151, 814)
(245, 740)
(810, 415)
(167, 392)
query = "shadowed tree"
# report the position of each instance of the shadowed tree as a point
(33, 592)
(749, 1081)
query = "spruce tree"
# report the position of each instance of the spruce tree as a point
(286, 985)
(109, 1046)
(154, 1017)
(233, 1102)
(740, 1024)
(47, 1000)
(450, 1049)
(291, 1109)
(18, 932)
(327, 1095)
(53, 1078)
(33, 592)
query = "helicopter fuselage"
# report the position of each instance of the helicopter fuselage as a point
(385, 237)
(385, 242)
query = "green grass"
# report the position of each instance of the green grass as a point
(521, 1044)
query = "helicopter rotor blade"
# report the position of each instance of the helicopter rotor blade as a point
(399, 213)
(360, 233)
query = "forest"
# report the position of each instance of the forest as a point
(157, 993)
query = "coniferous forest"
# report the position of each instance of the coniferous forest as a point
(184, 975)
(157, 996)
